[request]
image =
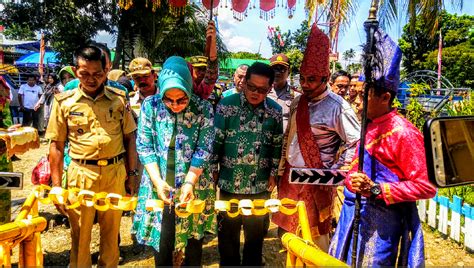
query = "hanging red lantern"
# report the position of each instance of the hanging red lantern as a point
(177, 7)
(239, 7)
(267, 9)
(291, 8)
(207, 4)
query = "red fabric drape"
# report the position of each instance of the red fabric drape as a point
(207, 4)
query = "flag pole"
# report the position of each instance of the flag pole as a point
(208, 40)
(370, 25)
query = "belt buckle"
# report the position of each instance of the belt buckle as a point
(102, 162)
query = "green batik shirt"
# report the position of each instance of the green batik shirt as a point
(248, 144)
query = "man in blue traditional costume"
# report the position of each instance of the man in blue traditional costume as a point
(393, 178)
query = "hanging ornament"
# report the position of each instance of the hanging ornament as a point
(207, 4)
(177, 7)
(267, 9)
(239, 8)
(291, 8)
(125, 4)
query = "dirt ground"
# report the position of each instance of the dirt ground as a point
(56, 239)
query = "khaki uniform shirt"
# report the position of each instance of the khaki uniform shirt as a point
(284, 98)
(93, 127)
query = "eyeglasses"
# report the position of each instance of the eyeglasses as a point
(178, 102)
(280, 69)
(259, 90)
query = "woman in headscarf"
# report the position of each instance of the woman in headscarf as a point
(52, 87)
(174, 143)
(66, 74)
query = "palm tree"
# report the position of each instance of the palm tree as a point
(339, 12)
(158, 34)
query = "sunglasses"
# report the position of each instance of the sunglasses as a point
(178, 102)
(259, 90)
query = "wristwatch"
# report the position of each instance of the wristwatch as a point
(133, 172)
(375, 190)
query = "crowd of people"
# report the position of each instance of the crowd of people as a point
(175, 135)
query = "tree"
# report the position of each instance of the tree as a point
(458, 64)
(296, 57)
(246, 55)
(157, 34)
(66, 24)
(420, 50)
(280, 42)
(348, 55)
(19, 32)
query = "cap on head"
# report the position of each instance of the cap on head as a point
(198, 61)
(280, 59)
(140, 66)
(316, 56)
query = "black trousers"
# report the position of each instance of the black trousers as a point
(30, 116)
(229, 234)
(193, 251)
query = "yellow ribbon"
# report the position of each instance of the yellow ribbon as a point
(292, 206)
(104, 201)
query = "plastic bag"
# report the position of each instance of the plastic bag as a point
(42, 172)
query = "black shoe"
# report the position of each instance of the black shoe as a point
(15, 158)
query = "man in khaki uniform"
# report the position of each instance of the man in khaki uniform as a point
(144, 76)
(99, 127)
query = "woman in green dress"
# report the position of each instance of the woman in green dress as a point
(174, 143)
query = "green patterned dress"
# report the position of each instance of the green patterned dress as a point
(193, 132)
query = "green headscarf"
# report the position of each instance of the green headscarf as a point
(175, 74)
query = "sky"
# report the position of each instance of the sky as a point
(251, 33)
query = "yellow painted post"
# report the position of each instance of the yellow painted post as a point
(304, 222)
(29, 204)
(5, 255)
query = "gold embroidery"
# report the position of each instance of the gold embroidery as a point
(383, 136)
(387, 192)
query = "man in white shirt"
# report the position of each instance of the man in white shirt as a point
(28, 96)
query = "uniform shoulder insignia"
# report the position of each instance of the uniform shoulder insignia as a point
(116, 91)
(63, 95)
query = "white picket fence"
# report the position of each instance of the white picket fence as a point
(439, 219)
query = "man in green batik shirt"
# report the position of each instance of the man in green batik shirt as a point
(247, 149)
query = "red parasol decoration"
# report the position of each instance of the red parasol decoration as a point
(267, 9)
(207, 4)
(177, 7)
(239, 7)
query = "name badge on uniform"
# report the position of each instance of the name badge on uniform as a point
(76, 113)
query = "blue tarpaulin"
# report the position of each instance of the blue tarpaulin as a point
(32, 59)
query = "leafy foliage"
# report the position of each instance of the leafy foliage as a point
(420, 50)
(19, 32)
(246, 55)
(66, 24)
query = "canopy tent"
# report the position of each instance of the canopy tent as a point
(230, 65)
(33, 59)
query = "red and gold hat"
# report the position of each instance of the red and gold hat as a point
(316, 56)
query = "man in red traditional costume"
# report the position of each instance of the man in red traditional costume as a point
(321, 122)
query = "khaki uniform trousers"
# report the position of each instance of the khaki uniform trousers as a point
(110, 179)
